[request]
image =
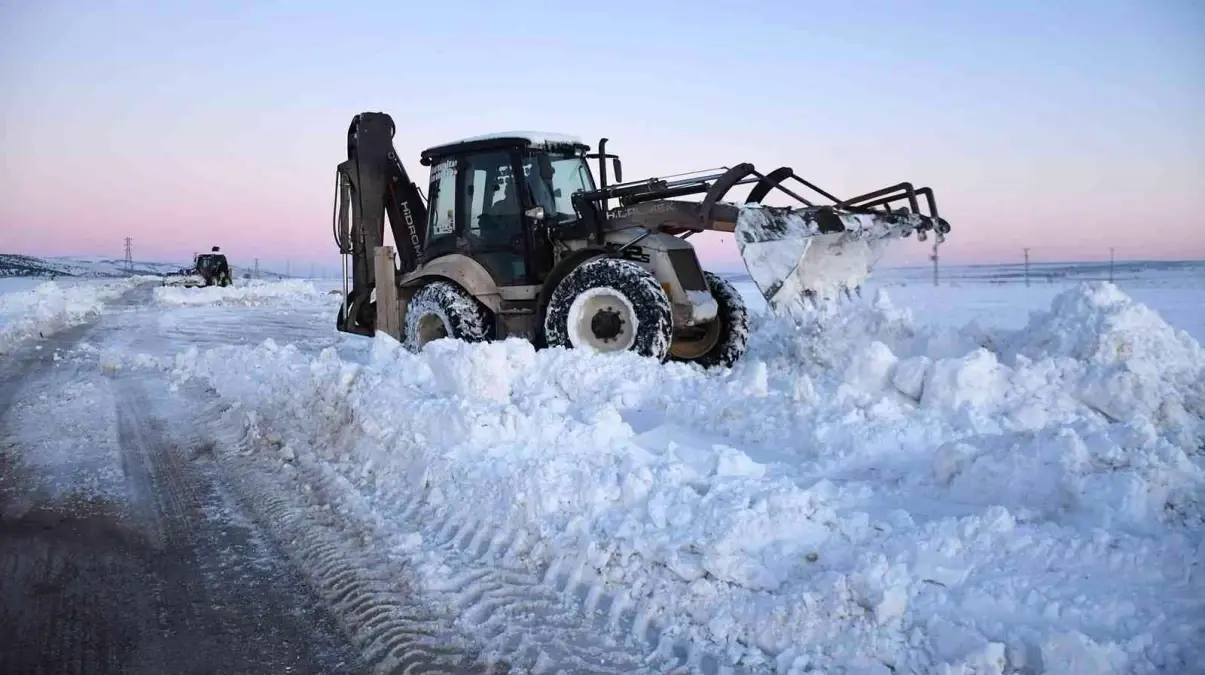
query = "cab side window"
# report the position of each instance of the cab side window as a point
(491, 201)
(442, 200)
(493, 214)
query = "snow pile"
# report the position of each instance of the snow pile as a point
(1119, 357)
(246, 293)
(51, 306)
(858, 492)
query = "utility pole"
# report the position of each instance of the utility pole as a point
(288, 264)
(1026, 267)
(129, 255)
(934, 259)
(257, 268)
(1110, 264)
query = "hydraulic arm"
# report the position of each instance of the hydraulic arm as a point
(373, 184)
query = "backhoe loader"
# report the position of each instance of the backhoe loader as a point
(516, 238)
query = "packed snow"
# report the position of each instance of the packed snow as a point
(47, 307)
(253, 292)
(863, 492)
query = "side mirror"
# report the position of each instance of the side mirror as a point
(536, 213)
(618, 169)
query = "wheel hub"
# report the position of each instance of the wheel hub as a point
(430, 328)
(606, 325)
(695, 342)
(602, 319)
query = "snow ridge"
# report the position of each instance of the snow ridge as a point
(859, 492)
(244, 293)
(356, 580)
(51, 307)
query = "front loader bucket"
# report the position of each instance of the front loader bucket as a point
(819, 251)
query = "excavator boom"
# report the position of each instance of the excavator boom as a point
(371, 185)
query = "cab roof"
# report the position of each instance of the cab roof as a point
(504, 139)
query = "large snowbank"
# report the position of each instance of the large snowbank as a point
(52, 306)
(860, 492)
(251, 292)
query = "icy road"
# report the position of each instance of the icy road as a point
(214, 480)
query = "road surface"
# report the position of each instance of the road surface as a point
(123, 548)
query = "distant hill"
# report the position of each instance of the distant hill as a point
(16, 265)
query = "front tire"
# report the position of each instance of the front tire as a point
(441, 309)
(721, 341)
(610, 305)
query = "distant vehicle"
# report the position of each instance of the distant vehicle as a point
(214, 268)
(208, 269)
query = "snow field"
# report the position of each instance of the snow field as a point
(860, 492)
(52, 306)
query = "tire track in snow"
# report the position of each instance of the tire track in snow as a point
(497, 592)
(360, 585)
(505, 616)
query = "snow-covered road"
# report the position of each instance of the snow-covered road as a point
(866, 492)
(121, 548)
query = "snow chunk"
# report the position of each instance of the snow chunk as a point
(487, 371)
(976, 380)
(909, 376)
(870, 370)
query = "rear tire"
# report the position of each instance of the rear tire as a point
(441, 309)
(610, 305)
(721, 341)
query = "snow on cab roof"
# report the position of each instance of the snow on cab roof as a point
(533, 137)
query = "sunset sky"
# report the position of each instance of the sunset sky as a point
(1066, 127)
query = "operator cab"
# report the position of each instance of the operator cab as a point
(476, 207)
(206, 262)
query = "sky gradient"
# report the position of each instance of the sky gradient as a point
(1067, 127)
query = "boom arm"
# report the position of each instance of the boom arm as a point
(373, 183)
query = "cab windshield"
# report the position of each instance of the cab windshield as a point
(553, 179)
(207, 261)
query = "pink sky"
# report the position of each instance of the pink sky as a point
(189, 127)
